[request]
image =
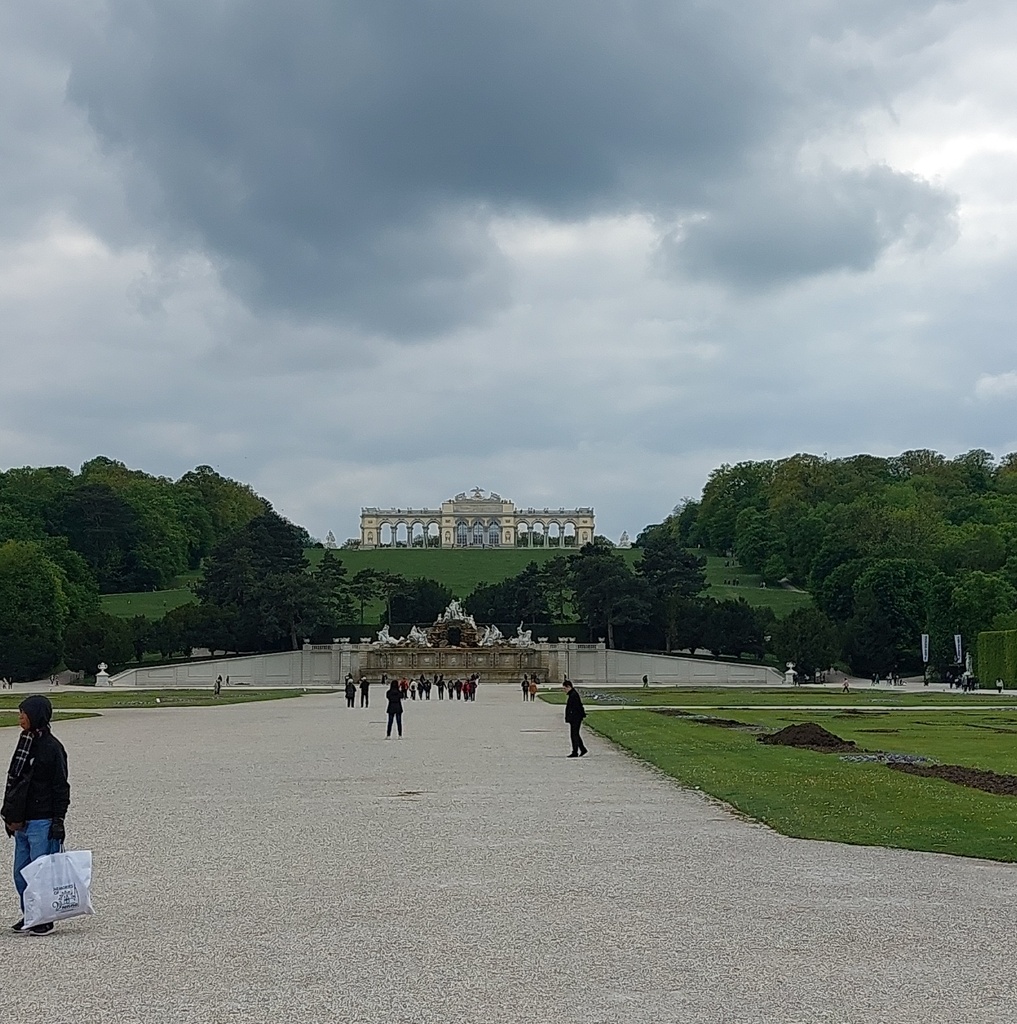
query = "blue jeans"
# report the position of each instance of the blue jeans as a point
(31, 842)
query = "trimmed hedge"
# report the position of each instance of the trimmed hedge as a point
(997, 657)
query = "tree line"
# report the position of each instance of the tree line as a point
(890, 548)
(67, 537)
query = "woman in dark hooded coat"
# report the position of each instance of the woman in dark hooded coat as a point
(36, 796)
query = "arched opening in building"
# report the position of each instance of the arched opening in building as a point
(462, 534)
(493, 535)
(554, 535)
(433, 535)
(522, 535)
(385, 535)
(537, 537)
(477, 538)
(402, 535)
(417, 535)
(568, 536)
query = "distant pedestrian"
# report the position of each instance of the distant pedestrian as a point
(999, 684)
(441, 688)
(533, 688)
(365, 692)
(526, 687)
(646, 682)
(217, 688)
(351, 691)
(395, 708)
(574, 715)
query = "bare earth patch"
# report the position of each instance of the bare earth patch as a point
(973, 778)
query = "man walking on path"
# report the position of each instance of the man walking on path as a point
(574, 715)
(365, 695)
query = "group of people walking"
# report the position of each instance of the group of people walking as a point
(414, 689)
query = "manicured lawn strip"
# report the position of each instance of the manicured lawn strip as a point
(152, 604)
(10, 718)
(817, 796)
(977, 739)
(780, 600)
(732, 696)
(153, 698)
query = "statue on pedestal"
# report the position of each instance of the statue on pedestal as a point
(523, 637)
(418, 637)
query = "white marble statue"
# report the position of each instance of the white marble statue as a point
(455, 612)
(492, 635)
(418, 638)
(523, 637)
(385, 639)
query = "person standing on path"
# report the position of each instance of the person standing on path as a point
(365, 692)
(533, 688)
(526, 687)
(574, 715)
(351, 691)
(36, 796)
(395, 708)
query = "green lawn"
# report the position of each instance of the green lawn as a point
(780, 600)
(818, 796)
(740, 697)
(152, 604)
(107, 698)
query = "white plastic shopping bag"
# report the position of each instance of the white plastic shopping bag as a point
(58, 887)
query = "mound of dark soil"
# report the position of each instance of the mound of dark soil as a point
(809, 736)
(973, 778)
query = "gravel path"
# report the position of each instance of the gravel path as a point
(283, 861)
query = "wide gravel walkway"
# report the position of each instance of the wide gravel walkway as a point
(284, 862)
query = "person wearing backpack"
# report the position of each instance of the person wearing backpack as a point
(36, 796)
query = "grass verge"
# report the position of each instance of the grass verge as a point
(818, 796)
(154, 698)
(10, 718)
(740, 697)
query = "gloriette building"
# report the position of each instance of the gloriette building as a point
(476, 520)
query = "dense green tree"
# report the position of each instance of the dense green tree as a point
(33, 611)
(807, 638)
(890, 612)
(668, 568)
(520, 597)
(608, 594)
(98, 638)
(364, 588)
(419, 601)
(335, 588)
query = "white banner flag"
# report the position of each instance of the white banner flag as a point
(958, 649)
(925, 648)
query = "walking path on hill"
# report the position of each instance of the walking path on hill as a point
(284, 862)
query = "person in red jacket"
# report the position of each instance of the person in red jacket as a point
(36, 796)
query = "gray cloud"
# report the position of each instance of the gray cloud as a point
(802, 226)
(342, 160)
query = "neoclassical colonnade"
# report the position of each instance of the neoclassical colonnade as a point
(477, 520)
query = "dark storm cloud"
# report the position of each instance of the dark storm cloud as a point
(800, 227)
(344, 160)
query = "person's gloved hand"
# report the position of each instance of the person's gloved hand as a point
(56, 830)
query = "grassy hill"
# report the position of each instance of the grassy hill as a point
(462, 571)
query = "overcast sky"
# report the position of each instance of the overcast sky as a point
(575, 251)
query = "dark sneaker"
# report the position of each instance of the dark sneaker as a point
(19, 928)
(41, 929)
